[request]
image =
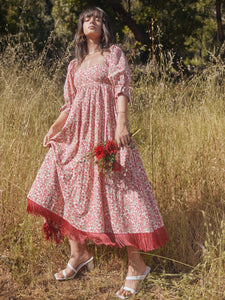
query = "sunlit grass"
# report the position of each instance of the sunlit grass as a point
(181, 143)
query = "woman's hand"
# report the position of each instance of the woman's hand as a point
(55, 128)
(122, 135)
(52, 131)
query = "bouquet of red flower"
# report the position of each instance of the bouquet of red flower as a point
(104, 155)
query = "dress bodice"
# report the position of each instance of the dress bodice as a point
(112, 77)
(95, 74)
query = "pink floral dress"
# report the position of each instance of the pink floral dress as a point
(75, 200)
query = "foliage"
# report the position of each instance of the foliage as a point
(188, 27)
(65, 14)
(32, 19)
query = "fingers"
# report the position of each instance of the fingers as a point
(46, 140)
(123, 141)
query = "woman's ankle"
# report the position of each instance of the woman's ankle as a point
(85, 254)
(136, 262)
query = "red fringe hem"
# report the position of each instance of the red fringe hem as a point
(55, 228)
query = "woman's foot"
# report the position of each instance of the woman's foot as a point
(74, 261)
(133, 284)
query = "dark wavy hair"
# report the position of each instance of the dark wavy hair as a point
(80, 41)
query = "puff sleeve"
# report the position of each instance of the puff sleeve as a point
(119, 73)
(69, 88)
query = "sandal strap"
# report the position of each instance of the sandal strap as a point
(83, 264)
(64, 273)
(71, 267)
(140, 277)
(128, 289)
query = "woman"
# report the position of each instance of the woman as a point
(76, 200)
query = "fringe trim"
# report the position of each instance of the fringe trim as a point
(56, 228)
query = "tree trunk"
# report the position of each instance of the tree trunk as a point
(219, 21)
(125, 17)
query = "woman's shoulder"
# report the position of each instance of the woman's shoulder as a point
(72, 66)
(114, 52)
(73, 63)
(114, 48)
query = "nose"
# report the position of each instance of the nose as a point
(92, 19)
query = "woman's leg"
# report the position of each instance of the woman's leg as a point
(136, 266)
(79, 254)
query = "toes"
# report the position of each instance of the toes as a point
(124, 293)
(59, 275)
(127, 294)
(120, 292)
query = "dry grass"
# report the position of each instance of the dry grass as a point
(182, 147)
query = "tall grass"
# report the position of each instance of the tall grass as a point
(182, 147)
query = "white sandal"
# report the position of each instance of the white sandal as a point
(88, 263)
(133, 292)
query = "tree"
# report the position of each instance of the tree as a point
(126, 19)
(32, 19)
(188, 27)
(219, 21)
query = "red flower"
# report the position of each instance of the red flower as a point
(99, 152)
(111, 147)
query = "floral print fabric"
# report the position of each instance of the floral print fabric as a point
(76, 200)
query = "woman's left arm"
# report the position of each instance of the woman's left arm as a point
(122, 135)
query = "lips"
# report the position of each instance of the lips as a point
(91, 27)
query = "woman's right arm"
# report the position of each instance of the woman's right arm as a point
(69, 94)
(55, 128)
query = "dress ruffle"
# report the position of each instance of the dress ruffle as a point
(56, 228)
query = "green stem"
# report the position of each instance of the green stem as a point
(135, 132)
(171, 259)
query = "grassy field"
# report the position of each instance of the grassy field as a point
(181, 143)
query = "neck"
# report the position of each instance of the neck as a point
(93, 45)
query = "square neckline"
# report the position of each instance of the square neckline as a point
(95, 65)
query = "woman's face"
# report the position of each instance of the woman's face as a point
(92, 26)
